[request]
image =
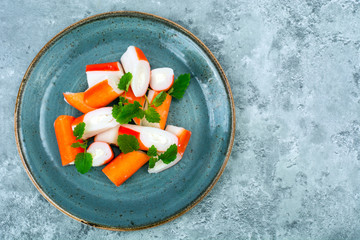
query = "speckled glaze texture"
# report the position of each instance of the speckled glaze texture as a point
(144, 200)
(294, 70)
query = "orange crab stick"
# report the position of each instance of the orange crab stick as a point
(134, 61)
(148, 136)
(65, 137)
(183, 136)
(132, 98)
(77, 101)
(124, 166)
(102, 93)
(163, 110)
(97, 73)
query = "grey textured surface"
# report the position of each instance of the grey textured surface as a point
(295, 74)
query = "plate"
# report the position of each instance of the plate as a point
(145, 200)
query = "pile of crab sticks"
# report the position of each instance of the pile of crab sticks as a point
(146, 140)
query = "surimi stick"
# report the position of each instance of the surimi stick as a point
(77, 101)
(183, 136)
(96, 73)
(96, 121)
(132, 98)
(101, 153)
(161, 79)
(148, 136)
(124, 166)
(109, 136)
(65, 137)
(163, 110)
(135, 62)
(102, 93)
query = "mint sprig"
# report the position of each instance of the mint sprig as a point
(125, 81)
(83, 161)
(167, 157)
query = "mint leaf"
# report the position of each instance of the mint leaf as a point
(152, 152)
(152, 162)
(159, 99)
(83, 162)
(124, 114)
(152, 115)
(169, 155)
(123, 100)
(180, 86)
(125, 81)
(79, 130)
(127, 143)
(79, 144)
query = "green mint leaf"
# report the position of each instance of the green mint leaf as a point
(79, 144)
(152, 115)
(127, 143)
(169, 155)
(116, 110)
(83, 162)
(79, 130)
(159, 99)
(180, 86)
(152, 152)
(123, 100)
(152, 162)
(124, 114)
(125, 81)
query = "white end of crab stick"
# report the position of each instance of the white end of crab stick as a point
(97, 73)
(109, 136)
(148, 136)
(96, 121)
(134, 61)
(101, 153)
(183, 136)
(161, 79)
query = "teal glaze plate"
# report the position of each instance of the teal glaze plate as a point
(145, 200)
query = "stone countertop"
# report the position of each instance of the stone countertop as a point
(294, 69)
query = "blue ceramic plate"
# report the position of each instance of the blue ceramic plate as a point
(145, 200)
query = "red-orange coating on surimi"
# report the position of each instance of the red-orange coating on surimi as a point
(183, 140)
(77, 101)
(128, 131)
(100, 95)
(124, 166)
(78, 120)
(112, 66)
(65, 137)
(140, 54)
(163, 109)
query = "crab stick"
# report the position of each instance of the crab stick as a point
(96, 121)
(132, 98)
(148, 136)
(135, 62)
(161, 79)
(101, 153)
(77, 101)
(124, 166)
(163, 110)
(97, 73)
(183, 136)
(65, 137)
(109, 136)
(102, 93)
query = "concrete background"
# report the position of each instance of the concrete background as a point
(295, 74)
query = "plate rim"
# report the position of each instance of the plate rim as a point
(124, 14)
